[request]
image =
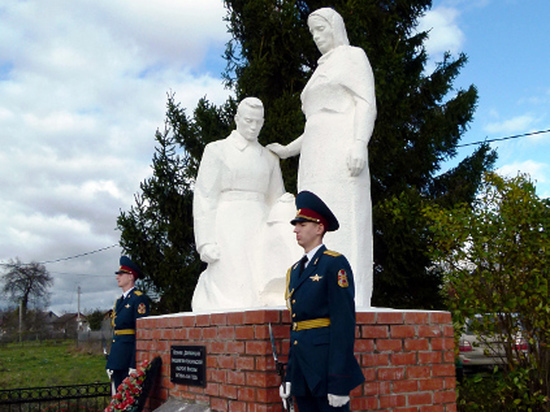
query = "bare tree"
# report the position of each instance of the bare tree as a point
(27, 284)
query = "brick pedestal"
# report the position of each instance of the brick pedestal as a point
(407, 359)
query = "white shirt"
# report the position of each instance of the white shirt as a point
(125, 294)
(311, 253)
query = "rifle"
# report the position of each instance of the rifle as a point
(288, 404)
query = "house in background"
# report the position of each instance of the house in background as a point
(70, 324)
(35, 325)
(48, 320)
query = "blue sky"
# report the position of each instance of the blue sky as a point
(507, 46)
(83, 88)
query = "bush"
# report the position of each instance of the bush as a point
(507, 391)
(495, 257)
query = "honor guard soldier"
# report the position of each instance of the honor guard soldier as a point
(131, 305)
(322, 368)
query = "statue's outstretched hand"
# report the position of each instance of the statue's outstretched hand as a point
(286, 198)
(210, 253)
(281, 151)
(357, 158)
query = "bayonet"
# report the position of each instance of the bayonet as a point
(280, 367)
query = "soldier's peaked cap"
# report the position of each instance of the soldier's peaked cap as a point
(312, 209)
(127, 266)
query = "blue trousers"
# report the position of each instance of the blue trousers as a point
(318, 404)
(310, 403)
(118, 377)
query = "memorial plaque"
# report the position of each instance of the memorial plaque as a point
(188, 365)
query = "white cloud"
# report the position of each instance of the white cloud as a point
(536, 170)
(518, 124)
(83, 88)
(444, 31)
(538, 100)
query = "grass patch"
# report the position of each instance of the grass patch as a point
(50, 363)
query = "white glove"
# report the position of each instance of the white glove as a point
(284, 392)
(336, 400)
(131, 370)
(109, 373)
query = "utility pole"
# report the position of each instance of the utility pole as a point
(21, 320)
(78, 309)
(78, 321)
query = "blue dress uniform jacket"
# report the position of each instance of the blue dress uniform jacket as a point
(321, 357)
(125, 313)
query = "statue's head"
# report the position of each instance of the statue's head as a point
(328, 29)
(250, 118)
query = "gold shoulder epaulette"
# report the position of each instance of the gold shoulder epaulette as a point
(138, 293)
(331, 253)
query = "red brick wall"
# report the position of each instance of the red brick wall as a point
(407, 359)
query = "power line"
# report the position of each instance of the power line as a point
(80, 274)
(500, 139)
(79, 255)
(71, 257)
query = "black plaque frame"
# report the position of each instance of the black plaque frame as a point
(188, 365)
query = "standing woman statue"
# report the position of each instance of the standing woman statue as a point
(340, 108)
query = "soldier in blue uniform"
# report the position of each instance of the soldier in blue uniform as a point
(131, 305)
(322, 368)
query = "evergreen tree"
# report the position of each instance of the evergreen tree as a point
(95, 319)
(419, 125)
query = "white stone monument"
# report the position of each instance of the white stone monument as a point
(340, 108)
(241, 220)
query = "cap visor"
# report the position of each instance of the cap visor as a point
(298, 220)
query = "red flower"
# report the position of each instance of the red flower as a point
(129, 390)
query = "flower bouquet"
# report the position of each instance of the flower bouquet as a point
(129, 392)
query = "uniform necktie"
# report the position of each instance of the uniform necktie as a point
(119, 301)
(303, 262)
